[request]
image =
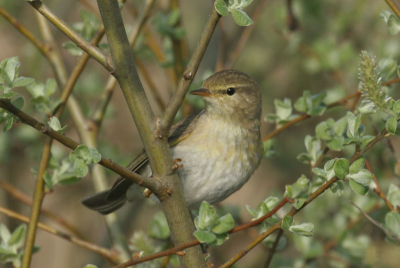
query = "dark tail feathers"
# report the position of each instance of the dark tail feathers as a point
(102, 203)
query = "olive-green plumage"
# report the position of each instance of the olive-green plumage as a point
(220, 146)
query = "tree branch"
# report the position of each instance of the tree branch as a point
(126, 173)
(106, 253)
(81, 42)
(188, 75)
(378, 189)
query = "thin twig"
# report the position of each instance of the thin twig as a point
(378, 189)
(393, 81)
(244, 37)
(99, 112)
(377, 224)
(394, 7)
(81, 42)
(305, 116)
(17, 194)
(126, 173)
(24, 31)
(273, 249)
(188, 75)
(109, 255)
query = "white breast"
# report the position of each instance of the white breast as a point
(213, 170)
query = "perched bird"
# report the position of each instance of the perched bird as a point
(219, 147)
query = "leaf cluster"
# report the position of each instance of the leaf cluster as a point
(212, 229)
(235, 8)
(11, 245)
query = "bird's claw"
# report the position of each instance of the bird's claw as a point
(177, 164)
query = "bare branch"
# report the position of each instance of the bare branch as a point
(106, 253)
(81, 42)
(126, 173)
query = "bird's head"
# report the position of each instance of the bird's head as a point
(231, 94)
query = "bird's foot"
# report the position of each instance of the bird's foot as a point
(177, 164)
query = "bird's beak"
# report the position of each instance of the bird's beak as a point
(201, 92)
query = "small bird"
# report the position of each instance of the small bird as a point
(219, 147)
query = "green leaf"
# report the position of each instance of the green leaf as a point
(357, 165)
(204, 236)
(207, 216)
(283, 108)
(72, 48)
(396, 106)
(220, 239)
(320, 173)
(287, 221)
(18, 102)
(329, 168)
(304, 158)
(241, 18)
(393, 24)
(387, 67)
(68, 179)
(269, 150)
(394, 195)
(22, 81)
(4, 233)
(8, 95)
(358, 188)
(340, 126)
(95, 155)
(323, 131)
(11, 68)
(221, 7)
(8, 124)
(392, 222)
(363, 177)
(81, 152)
(298, 189)
(17, 238)
(304, 229)
(252, 211)
(365, 140)
(336, 144)
(341, 168)
(354, 123)
(50, 87)
(48, 180)
(337, 188)
(80, 168)
(239, 3)
(54, 123)
(391, 125)
(225, 224)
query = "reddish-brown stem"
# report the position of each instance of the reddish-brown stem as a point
(305, 116)
(378, 189)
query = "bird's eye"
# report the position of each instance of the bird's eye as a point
(230, 91)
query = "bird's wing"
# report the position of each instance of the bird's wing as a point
(110, 200)
(178, 132)
(183, 129)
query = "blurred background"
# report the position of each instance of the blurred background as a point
(293, 46)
